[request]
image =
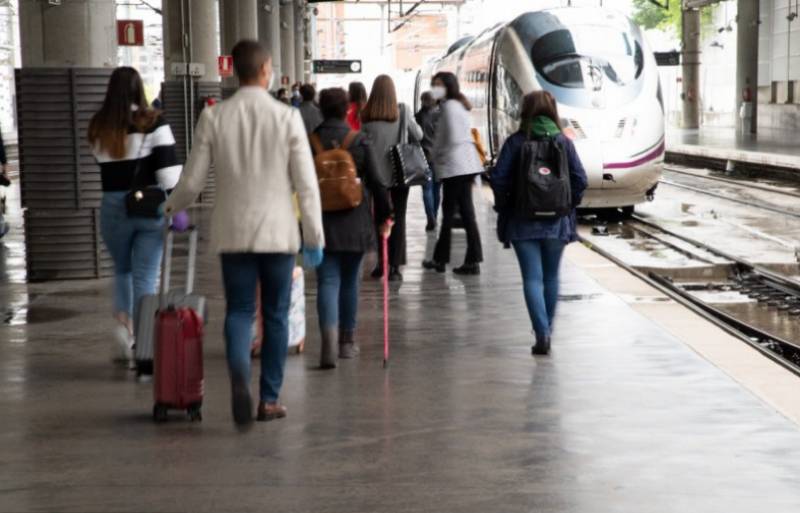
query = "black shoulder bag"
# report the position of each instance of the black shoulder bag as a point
(410, 165)
(141, 200)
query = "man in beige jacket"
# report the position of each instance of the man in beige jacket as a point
(261, 157)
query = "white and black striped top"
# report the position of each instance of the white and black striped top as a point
(158, 160)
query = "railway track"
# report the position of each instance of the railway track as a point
(749, 203)
(770, 289)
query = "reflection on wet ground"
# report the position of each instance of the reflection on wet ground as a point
(462, 420)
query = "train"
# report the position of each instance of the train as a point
(598, 65)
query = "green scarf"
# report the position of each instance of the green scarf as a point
(542, 126)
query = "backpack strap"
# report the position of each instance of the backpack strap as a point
(316, 144)
(349, 138)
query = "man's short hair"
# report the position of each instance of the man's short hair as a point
(248, 59)
(333, 103)
(308, 92)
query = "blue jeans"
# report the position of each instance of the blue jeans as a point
(539, 261)
(431, 197)
(240, 272)
(337, 289)
(135, 245)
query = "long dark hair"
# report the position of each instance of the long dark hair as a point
(109, 127)
(382, 103)
(450, 82)
(357, 93)
(539, 103)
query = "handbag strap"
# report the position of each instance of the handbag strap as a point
(316, 144)
(138, 164)
(403, 124)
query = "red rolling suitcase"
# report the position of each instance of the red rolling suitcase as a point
(178, 358)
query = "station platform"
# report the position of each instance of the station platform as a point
(642, 406)
(769, 148)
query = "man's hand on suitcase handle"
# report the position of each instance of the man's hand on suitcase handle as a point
(180, 222)
(312, 257)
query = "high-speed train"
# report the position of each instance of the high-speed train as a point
(599, 68)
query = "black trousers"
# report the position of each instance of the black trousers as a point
(397, 241)
(457, 194)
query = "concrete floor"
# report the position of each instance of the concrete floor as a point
(622, 418)
(777, 148)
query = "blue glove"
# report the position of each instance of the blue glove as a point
(312, 257)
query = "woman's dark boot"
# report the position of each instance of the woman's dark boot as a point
(377, 272)
(468, 269)
(433, 265)
(542, 346)
(327, 355)
(347, 345)
(395, 274)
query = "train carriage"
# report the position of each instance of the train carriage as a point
(599, 68)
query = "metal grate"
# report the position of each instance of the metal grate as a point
(65, 244)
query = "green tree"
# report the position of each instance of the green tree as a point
(650, 16)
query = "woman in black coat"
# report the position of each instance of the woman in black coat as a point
(349, 234)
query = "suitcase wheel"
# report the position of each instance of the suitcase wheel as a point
(160, 412)
(195, 413)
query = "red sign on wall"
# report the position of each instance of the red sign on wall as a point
(225, 64)
(130, 32)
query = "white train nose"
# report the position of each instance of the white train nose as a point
(591, 153)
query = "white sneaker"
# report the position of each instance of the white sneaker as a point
(122, 345)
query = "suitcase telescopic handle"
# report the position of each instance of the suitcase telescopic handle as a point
(166, 264)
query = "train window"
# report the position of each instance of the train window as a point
(513, 96)
(588, 56)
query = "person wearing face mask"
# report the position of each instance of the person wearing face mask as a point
(297, 98)
(262, 158)
(455, 163)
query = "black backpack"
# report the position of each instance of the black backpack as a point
(541, 185)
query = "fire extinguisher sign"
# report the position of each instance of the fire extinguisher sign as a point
(130, 32)
(225, 65)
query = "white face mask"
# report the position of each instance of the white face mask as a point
(438, 92)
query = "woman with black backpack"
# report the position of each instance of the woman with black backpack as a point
(538, 153)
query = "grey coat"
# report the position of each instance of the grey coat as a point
(454, 152)
(384, 135)
(312, 117)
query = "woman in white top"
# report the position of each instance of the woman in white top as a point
(456, 163)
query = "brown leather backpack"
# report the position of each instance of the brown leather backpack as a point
(340, 187)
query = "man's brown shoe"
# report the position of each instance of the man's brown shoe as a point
(270, 411)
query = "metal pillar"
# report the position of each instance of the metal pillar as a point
(190, 28)
(238, 20)
(269, 31)
(287, 40)
(80, 33)
(747, 60)
(300, 41)
(691, 67)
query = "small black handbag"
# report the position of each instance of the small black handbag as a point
(410, 165)
(142, 200)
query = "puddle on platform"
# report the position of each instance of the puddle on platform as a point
(36, 315)
(578, 297)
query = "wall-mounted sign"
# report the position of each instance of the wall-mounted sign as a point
(130, 32)
(225, 64)
(337, 66)
(672, 58)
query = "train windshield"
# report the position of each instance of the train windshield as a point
(588, 56)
